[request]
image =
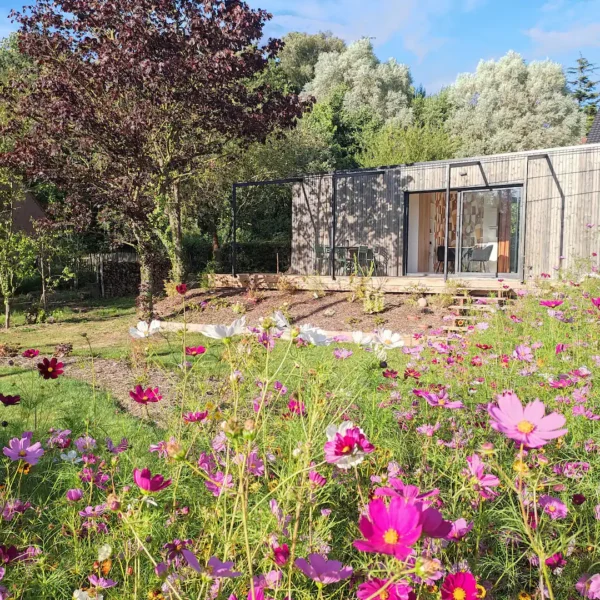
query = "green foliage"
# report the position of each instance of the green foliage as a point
(584, 88)
(393, 145)
(301, 53)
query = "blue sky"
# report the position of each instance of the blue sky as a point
(439, 38)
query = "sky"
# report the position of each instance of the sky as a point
(438, 39)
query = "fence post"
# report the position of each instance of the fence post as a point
(102, 275)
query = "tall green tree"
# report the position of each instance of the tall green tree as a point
(301, 52)
(583, 88)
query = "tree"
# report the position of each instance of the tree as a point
(17, 250)
(394, 145)
(301, 52)
(584, 88)
(382, 89)
(508, 105)
(132, 98)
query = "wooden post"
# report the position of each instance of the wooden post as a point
(102, 275)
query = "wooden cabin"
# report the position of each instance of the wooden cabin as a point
(510, 216)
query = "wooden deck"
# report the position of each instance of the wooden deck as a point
(426, 285)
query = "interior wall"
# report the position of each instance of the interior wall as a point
(412, 264)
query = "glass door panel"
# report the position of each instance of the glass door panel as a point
(488, 237)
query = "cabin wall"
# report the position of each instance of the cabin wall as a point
(370, 208)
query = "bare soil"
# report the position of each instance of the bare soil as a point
(332, 312)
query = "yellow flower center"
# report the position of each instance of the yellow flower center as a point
(525, 427)
(22, 453)
(145, 398)
(551, 508)
(390, 536)
(346, 449)
(481, 591)
(459, 594)
(384, 595)
(441, 402)
(50, 369)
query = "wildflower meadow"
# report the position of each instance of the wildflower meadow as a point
(289, 465)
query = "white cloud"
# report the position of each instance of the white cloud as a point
(549, 42)
(412, 20)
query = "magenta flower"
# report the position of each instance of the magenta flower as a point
(459, 586)
(23, 449)
(316, 479)
(30, 353)
(148, 484)
(281, 554)
(144, 396)
(347, 445)
(74, 495)
(390, 530)
(195, 350)
(526, 425)
(596, 302)
(321, 570)
(523, 353)
(551, 303)
(217, 569)
(342, 353)
(379, 588)
(553, 507)
(195, 417)
(428, 430)
(481, 482)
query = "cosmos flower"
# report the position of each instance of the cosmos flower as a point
(143, 330)
(553, 507)
(50, 369)
(362, 339)
(551, 303)
(347, 445)
(321, 570)
(589, 586)
(10, 400)
(379, 588)
(23, 449)
(100, 582)
(440, 399)
(30, 353)
(313, 335)
(526, 425)
(195, 417)
(342, 353)
(221, 332)
(459, 586)
(195, 350)
(388, 339)
(74, 495)
(482, 483)
(218, 483)
(145, 396)
(281, 554)
(460, 528)
(149, 484)
(181, 289)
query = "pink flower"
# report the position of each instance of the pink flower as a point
(589, 586)
(379, 588)
(195, 350)
(281, 554)
(347, 445)
(316, 479)
(321, 570)
(523, 353)
(23, 449)
(460, 528)
(218, 483)
(342, 353)
(459, 586)
(390, 530)
(481, 482)
(596, 302)
(439, 400)
(144, 480)
(526, 425)
(428, 430)
(551, 303)
(553, 507)
(195, 417)
(31, 353)
(144, 396)
(74, 495)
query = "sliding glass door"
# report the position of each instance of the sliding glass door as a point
(488, 232)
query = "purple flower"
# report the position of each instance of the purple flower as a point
(460, 528)
(13, 508)
(481, 482)
(255, 465)
(553, 507)
(342, 353)
(218, 483)
(523, 353)
(92, 512)
(321, 570)
(74, 495)
(100, 582)
(22, 449)
(428, 430)
(216, 568)
(85, 443)
(589, 586)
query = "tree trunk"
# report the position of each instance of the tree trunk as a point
(177, 262)
(6, 312)
(145, 302)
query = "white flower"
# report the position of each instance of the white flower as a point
(362, 339)
(104, 552)
(280, 321)
(143, 330)
(388, 339)
(71, 456)
(313, 335)
(81, 595)
(220, 332)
